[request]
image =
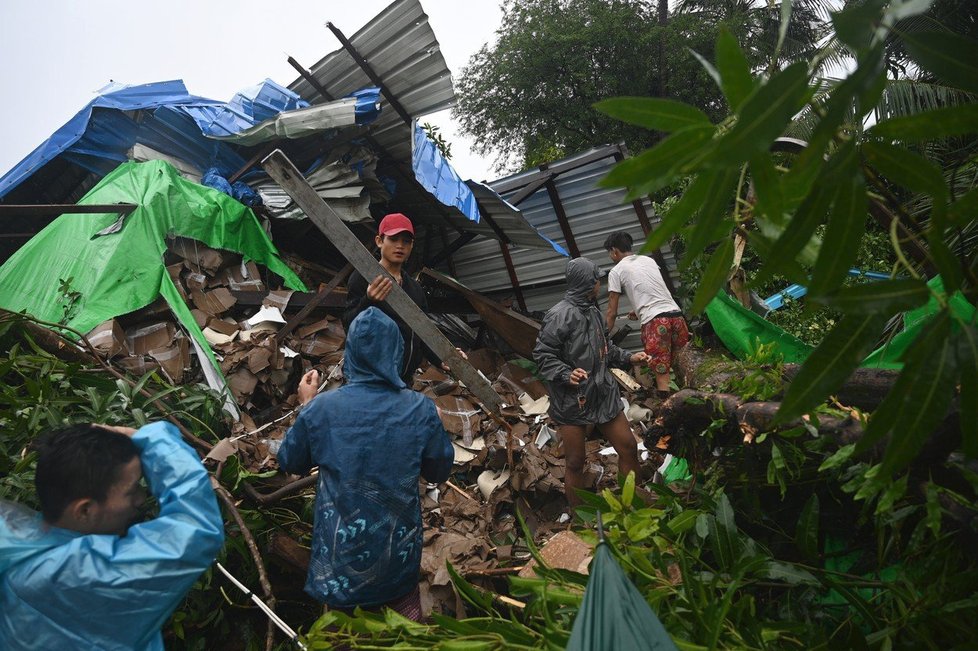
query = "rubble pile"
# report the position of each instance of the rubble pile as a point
(471, 520)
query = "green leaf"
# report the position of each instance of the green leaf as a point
(683, 522)
(682, 211)
(628, 490)
(806, 537)
(655, 168)
(886, 297)
(789, 573)
(828, 366)
(947, 264)
(910, 170)
(919, 399)
(654, 113)
(714, 276)
(712, 223)
(710, 70)
(962, 209)
(476, 597)
(797, 234)
(735, 77)
(929, 125)
(840, 244)
(966, 340)
(857, 25)
(763, 116)
(767, 185)
(948, 55)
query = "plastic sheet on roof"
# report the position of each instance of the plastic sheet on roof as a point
(123, 272)
(180, 125)
(437, 176)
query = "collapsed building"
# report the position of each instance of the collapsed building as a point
(154, 226)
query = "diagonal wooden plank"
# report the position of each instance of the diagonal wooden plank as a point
(281, 169)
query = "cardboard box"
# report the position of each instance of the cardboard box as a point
(198, 255)
(243, 277)
(174, 359)
(150, 337)
(138, 364)
(109, 339)
(215, 302)
(279, 299)
(224, 326)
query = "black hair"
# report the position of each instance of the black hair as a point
(80, 461)
(620, 240)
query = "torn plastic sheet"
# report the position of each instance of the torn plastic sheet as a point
(121, 273)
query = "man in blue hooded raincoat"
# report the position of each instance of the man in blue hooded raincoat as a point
(372, 439)
(84, 576)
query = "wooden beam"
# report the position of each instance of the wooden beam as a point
(371, 73)
(513, 279)
(565, 226)
(55, 209)
(283, 172)
(531, 188)
(311, 305)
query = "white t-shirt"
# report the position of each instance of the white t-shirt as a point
(639, 278)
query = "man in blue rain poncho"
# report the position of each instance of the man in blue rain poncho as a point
(371, 438)
(82, 574)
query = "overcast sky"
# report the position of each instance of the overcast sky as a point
(56, 53)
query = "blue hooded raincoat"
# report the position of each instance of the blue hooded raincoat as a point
(60, 589)
(371, 438)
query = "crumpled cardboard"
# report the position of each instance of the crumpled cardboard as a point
(143, 339)
(108, 339)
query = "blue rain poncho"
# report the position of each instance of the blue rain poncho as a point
(60, 589)
(371, 438)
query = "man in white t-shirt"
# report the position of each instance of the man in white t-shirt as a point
(664, 330)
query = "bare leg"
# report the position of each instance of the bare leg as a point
(572, 437)
(662, 381)
(619, 434)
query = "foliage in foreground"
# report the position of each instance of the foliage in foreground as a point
(39, 391)
(806, 217)
(761, 564)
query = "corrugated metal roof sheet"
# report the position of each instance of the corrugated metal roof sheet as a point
(401, 48)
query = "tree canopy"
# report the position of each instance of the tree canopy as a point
(528, 97)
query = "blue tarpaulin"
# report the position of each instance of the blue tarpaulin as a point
(437, 176)
(172, 121)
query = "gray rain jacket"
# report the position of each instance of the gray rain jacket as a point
(572, 337)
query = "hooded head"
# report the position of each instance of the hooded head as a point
(581, 276)
(374, 350)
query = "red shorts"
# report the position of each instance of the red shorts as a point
(663, 337)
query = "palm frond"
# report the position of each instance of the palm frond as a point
(907, 97)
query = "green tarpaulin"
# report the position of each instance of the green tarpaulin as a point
(741, 330)
(613, 614)
(102, 277)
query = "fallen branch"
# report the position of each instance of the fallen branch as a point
(266, 586)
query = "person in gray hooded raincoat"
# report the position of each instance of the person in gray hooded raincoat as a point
(573, 355)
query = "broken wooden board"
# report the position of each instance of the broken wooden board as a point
(519, 331)
(283, 172)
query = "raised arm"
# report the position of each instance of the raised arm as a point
(127, 587)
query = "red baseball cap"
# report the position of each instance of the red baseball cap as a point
(395, 223)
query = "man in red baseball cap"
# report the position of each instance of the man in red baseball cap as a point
(395, 239)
